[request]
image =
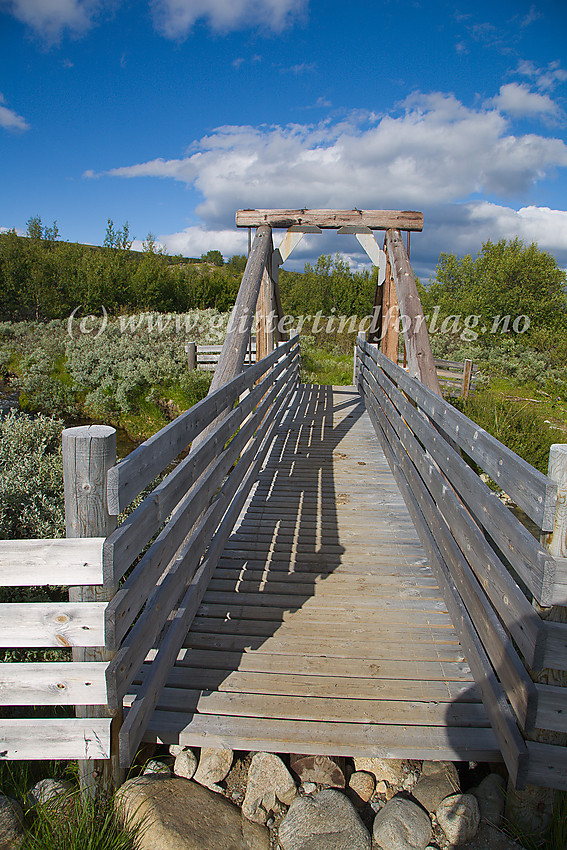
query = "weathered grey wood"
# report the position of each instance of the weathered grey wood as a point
(496, 643)
(333, 219)
(134, 593)
(555, 655)
(348, 739)
(55, 683)
(390, 316)
(551, 709)
(72, 738)
(191, 351)
(547, 765)
(28, 563)
(534, 492)
(126, 543)
(128, 478)
(467, 374)
(507, 598)
(252, 459)
(233, 353)
(503, 721)
(89, 453)
(416, 337)
(52, 624)
(130, 657)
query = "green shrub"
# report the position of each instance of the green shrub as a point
(31, 477)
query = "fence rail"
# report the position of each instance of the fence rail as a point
(490, 567)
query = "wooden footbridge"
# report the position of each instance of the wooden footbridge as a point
(322, 570)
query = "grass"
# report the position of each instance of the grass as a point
(553, 837)
(86, 824)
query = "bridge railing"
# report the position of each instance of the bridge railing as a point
(195, 506)
(493, 572)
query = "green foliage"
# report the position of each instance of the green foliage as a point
(31, 478)
(506, 278)
(214, 257)
(329, 286)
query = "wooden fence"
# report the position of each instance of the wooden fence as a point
(493, 573)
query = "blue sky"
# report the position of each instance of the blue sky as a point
(172, 114)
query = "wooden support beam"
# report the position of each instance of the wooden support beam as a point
(418, 347)
(390, 316)
(88, 453)
(332, 219)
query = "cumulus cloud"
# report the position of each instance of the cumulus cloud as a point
(433, 154)
(437, 150)
(50, 18)
(9, 119)
(176, 18)
(517, 100)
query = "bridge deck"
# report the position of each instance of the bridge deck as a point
(323, 629)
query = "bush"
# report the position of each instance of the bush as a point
(31, 478)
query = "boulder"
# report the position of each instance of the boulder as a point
(326, 821)
(11, 823)
(459, 817)
(401, 825)
(490, 794)
(269, 780)
(154, 766)
(362, 785)
(392, 771)
(322, 770)
(185, 764)
(439, 779)
(51, 791)
(214, 766)
(177, 814)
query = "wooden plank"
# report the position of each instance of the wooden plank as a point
(555, 655)
(496, 642)
(52, 624)
(547, 765)
(142, 581)
(416, 337)
(146, 629)
(139, 715)
(551, 708)
(28, 563)
(342, 739)
(40, 739)
(507, 598)
(510, 741)
(374, 667)
(333, 219)
(534, 492)
(532, 563)
(56, 683)
(333, 710)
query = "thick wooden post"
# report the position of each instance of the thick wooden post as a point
(88, 453)
(264, 323)
(390, 316)
(418, 347)
(191, 351)
(532, 808)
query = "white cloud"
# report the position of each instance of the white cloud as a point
(517, 100)
(436, 151)
(9, 119)
(49, 18)
(544, 78)
(434, 154)
(176, 18)
(197, 240)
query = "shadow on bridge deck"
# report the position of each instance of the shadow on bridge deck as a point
(323, 629)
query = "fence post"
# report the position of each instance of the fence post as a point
(533, 808)
(191, 351)
(88, 453)
(467, 373)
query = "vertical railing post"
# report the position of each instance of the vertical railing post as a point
(88, 453)
(533, 807)
(191, 352)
